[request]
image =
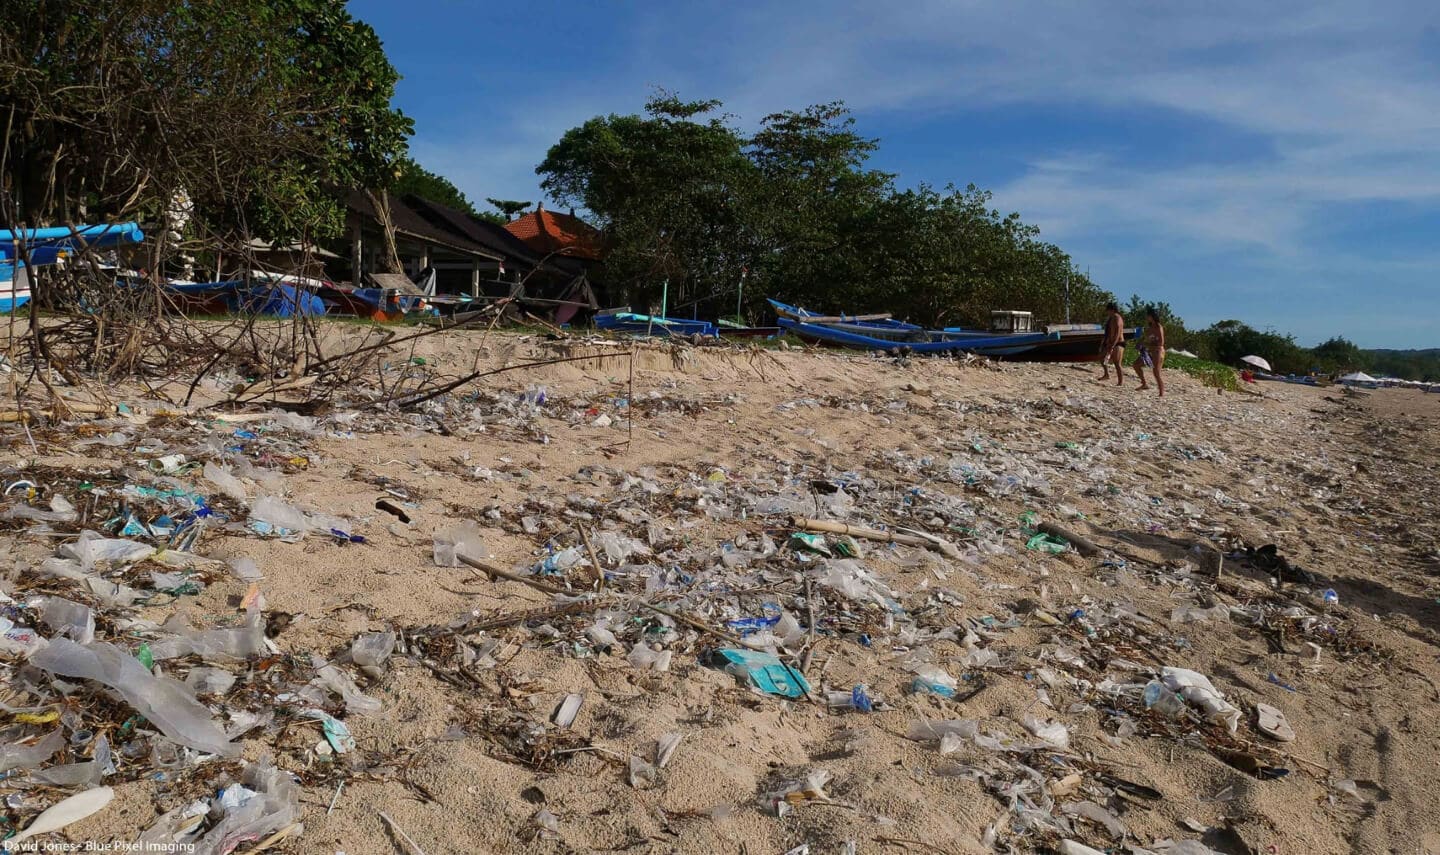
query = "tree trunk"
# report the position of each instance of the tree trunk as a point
(390, 259)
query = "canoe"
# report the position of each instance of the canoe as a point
(927, 341)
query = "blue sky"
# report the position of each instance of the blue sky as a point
(1274, 162)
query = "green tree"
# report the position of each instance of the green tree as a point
(508, 208)
(668, 189)
(1339, 356)
(417, 180)
(256, 109)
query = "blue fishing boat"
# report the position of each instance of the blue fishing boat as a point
(656, 325)
(1069, 343)
(23, 250)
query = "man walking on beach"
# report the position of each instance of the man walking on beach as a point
(1112, 349)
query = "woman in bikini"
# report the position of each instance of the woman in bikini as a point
(1152, 351)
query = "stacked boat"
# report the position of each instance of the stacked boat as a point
(1067, 343)
(25, 249)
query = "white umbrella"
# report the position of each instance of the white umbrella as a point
(1257, 362)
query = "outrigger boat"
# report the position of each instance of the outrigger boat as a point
(1068, 343)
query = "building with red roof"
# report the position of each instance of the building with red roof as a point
(549, 232)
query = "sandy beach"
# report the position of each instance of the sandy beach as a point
(683, 476)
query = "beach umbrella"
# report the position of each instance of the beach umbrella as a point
(1257, 362)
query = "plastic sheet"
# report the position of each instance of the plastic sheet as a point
(167, 703)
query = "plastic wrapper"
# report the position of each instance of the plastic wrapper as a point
(167, 703)
(73, 620)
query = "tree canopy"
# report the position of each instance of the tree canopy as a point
(257, 110)
(686, 200)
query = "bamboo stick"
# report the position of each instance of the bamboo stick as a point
(833, 527)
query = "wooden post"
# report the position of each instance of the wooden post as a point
(475, 277)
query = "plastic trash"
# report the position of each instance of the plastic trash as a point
(1163, 701)
(642, 773)
(337, 734)
(269, 803)
(1196, 688)
(798, 791)
(27, 756)
(464, 538)
(209, 681)
(356, 702)
(1052, 733)
(70, 619)
(665, 749)
(65, 812)
(93, 547)
(246, 570)
(226, 481)
(277, 513)
(1070, 847)
(644, 658)
(935, 681)
(227, 644)
(1096, 814)
(167, 703)
(934, 730)
(370, 650)
(764, 671)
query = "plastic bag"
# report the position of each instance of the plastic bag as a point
(67, 618)
(935, 681)
(27, 756)
(167, 703)
(228, 483)
(246, 570)
(93, 547)
(280, 514)
(464, 538)
(371, 649)
(227, 644)
(356, 702)
(1197, 689)
(1052, 733)
(268, 802)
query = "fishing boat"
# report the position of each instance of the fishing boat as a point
(1012, 339)
(626, 321)
(23, 250)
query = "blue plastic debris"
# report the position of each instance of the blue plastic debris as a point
(764, 671)
(745, 626)
(861, 700)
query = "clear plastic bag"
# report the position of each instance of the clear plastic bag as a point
(167, 703)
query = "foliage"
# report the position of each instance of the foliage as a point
(508, 208)
(256, 109)
(685, 199)
(419, 181)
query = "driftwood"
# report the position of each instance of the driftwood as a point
(1083, 545)
(914, 539)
